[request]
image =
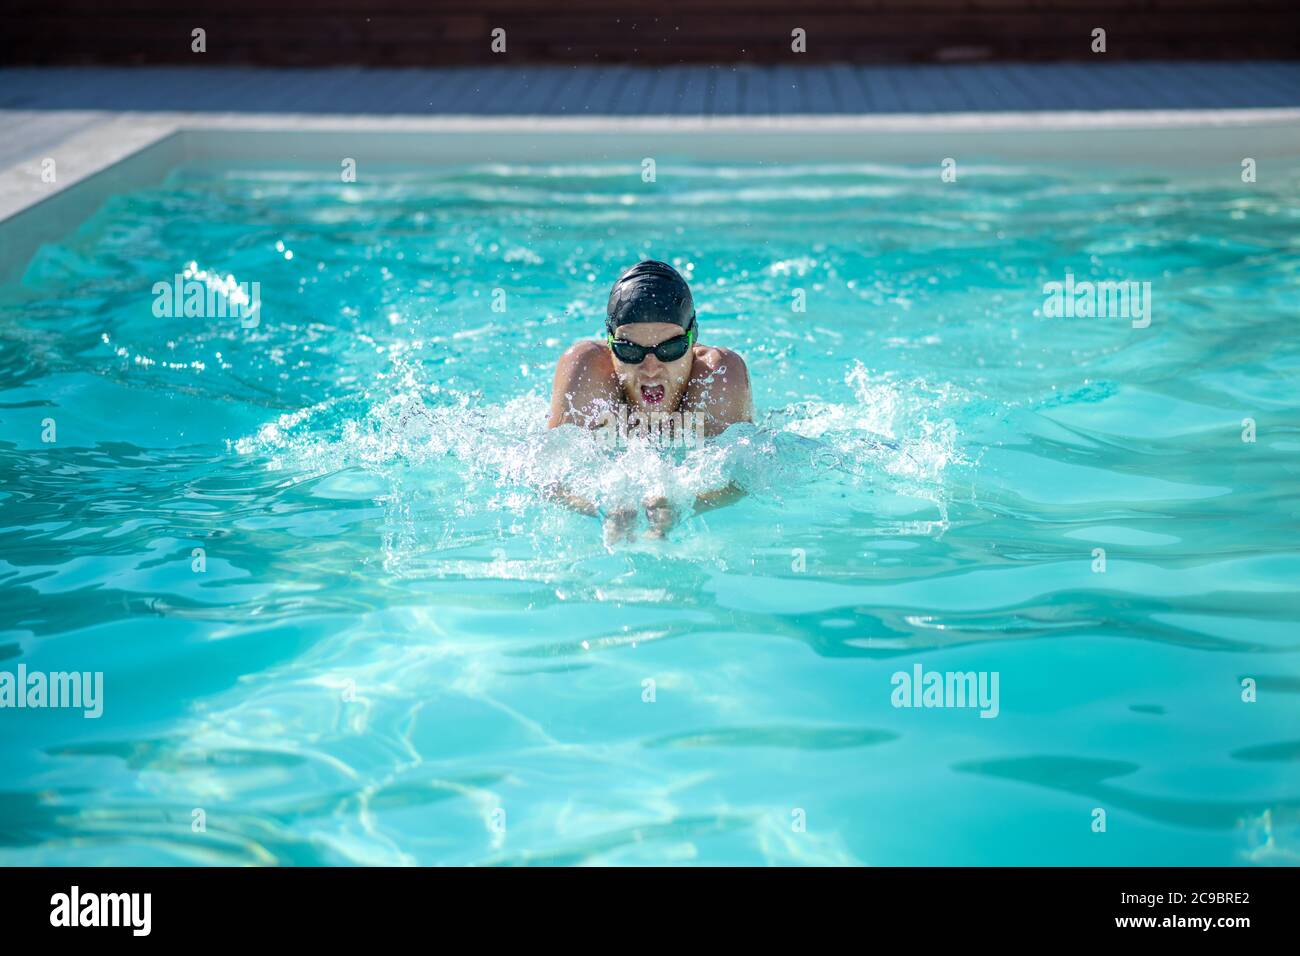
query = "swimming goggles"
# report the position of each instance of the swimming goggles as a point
(669, 351)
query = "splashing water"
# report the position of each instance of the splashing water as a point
(427, 441)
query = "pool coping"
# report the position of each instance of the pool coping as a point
(117, 136)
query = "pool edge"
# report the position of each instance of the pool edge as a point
(122, 135)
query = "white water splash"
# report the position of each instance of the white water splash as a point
(430, 453)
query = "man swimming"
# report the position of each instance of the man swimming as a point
(649, 367)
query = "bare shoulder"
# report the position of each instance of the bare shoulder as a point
(587, 353)
(719, 387)
(586, 366)
(720, 363)
(584, 379)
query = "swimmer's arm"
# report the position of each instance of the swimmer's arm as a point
(719, 498)
(584, 384)
(573, 500)
(722, 392)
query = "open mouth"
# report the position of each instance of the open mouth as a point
(652, 394)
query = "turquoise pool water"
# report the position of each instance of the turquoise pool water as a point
(393, 649)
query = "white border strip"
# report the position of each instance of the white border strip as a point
(850, 123)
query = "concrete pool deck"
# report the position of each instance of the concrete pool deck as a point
(87, 119)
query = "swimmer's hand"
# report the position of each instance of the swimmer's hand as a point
(620, 525)
(660, 514)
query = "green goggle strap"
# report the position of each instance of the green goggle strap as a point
(609, 336)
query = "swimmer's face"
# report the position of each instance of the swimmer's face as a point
(652, 385)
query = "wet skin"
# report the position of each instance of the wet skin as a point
(590, 382)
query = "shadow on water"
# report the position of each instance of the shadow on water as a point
(1091, 779)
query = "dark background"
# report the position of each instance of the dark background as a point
(444, 33)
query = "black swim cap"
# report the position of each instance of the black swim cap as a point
(650, 291)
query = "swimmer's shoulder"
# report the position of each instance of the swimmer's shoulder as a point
(584, 381)
(722, 363)
(583, 358)
(720, 388)
(584, 350)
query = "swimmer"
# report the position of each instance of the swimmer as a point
(650, 368)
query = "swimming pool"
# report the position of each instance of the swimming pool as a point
(337, 621)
